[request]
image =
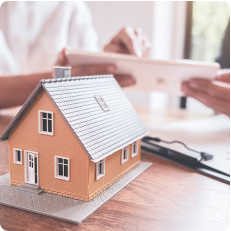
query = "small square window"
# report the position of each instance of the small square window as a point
(62, 168)
(100, 169)
(17, 156)
(134, 148)
(102, 103)
(46, 123)
(124, 154)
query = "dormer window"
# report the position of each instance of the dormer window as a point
(102, 103)
(46, 123)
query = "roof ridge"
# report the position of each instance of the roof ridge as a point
(75, 78)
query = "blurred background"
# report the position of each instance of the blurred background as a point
(177, 29)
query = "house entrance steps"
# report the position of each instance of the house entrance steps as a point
(29, 189)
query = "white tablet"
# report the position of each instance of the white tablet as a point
(150, 74)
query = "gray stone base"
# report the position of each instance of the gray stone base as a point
(62, 207)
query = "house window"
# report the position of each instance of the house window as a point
(124, 155)
(134, 148)
(100, 169)
(102, 103)
(62, 168)
(46, 122)
(17, 156)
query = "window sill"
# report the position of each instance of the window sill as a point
(47, 133)
(123, 161)
(62, 178)
(17, 162)
(99, 176)
(134, 154)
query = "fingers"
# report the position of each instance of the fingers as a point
(147, 46)
(62, 59)
(219, 105)
(85, 70)
(143, 42)
(211, 88)
(114, 48)
(125, 80)
(223, 78)
(129, 41)
(101, 69)
(138, 31)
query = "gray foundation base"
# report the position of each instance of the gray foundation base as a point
(62, 207)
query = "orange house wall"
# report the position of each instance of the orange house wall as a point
(83, 184)
(64, 143)
(113, 170)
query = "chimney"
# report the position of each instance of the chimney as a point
(62, 72)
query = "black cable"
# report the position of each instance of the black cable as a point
(204, 156)
(179, 142)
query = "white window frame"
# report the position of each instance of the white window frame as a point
(16, 157)
(98, 175)
(136, 147)
(57, 176)
(122, 154)
(102, 103)
(40, 124)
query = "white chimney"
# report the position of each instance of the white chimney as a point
(62, 72)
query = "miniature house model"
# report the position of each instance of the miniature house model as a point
(74, 136)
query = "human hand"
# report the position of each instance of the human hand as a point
(213, 93)
(99, 69)
(223, 78)
(129, 41)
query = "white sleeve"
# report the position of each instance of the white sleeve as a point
(82, 35)
(8, 65)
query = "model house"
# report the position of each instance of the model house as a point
(74, 136)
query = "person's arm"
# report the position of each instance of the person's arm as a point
(123, 80)
(214, 94)
(14, 90)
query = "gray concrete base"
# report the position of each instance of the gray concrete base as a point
(62, 207)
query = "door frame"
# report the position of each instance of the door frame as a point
(26, 165)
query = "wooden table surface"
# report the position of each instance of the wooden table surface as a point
(167, 196)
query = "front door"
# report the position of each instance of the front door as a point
(31, 168)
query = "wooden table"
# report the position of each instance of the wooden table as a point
(167, 196)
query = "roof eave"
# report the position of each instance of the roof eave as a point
(119, 148)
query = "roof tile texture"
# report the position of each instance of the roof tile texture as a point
(99, 131)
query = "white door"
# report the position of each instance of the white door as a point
(31, 168)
